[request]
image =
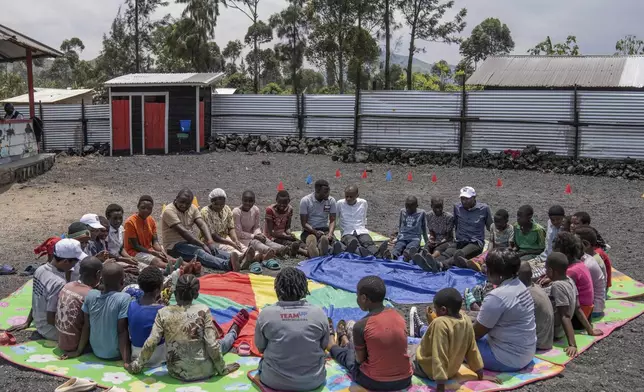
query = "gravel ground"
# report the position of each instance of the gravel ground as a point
(46, 205)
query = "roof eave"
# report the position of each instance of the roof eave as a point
(159, 85)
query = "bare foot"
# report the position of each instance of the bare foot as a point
(234, 262)
(269, 255)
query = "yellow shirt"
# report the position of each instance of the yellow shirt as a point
(445, 345)
(171, 217)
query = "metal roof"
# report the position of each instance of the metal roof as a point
(49, 95)
(224, 91)
(161, 79)
(13, 46)
(560, 71)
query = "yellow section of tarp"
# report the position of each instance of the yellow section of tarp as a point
(264, 289)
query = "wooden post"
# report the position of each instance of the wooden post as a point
(463, 127)
(30, 85)
(576, 121)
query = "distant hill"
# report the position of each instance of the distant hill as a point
(418, 65)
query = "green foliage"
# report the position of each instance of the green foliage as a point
(11, 83)
(630, 45)
(272, 88)
(443, 72)
(546, 48)
(291, 27)
(240, 81)
(490, 38)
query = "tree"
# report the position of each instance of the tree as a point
(138, 16)
(11, 83)
(310, 80)
(490, 38)
(464, 70)
(232, 52)
(269, 65)
(424, 20)
(291, 26)
(240, 82)
(272, 89)
(630, 45)
(363, 57)
(443, 72)
(258, 33)
(546, 48)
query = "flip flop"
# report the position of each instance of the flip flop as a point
(341, 329)
(30, 270)
(76, 385)
(6, 269)
(255, 268)
(331, 329)
(272, 265)
(7, 339)
(241, 319)
(243, 350)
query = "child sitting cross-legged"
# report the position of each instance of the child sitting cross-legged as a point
(277, 225)
(563, 295)
(412, 225)
(529, 237)
(543, 311)
(448, 341)
(194, 351)
(501, 234)
(440, 225)
(377, 359)
(596, 267)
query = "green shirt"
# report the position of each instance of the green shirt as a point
(535, 239)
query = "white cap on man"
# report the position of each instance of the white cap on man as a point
(92, 221)
(468, 192)
(68, 248)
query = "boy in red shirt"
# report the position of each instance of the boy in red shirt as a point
(377, 360)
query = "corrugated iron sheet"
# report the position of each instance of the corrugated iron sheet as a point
(559, 71)
(612, 141)
(412, 134)
(546, 106)
(98, 123)
(13, 44)
(187, 79)
(339, 127)
(264, 111)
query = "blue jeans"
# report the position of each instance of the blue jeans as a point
(489, 360)
(226, 343)
(402, 245)
(217, 261)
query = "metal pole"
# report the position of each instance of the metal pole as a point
(356, 121)
(136, 35)
(463, 127)
(30, 84)
(84, 123)
(576, 122)
(299, 116)
(44, 148)
(303, 113)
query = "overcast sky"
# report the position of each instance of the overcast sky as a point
(598, 24)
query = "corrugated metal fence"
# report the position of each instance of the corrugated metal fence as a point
(592, 124)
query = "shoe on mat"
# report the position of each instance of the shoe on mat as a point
(387, 255)
(469, 299)
(415, 323)
(323, 245)
(341, 330)
(243, 350)
(460, 261)
(364, 252)
(421, 262)
(471, 264)
(434, 266)
(240, 320)
(380, 253)
(7, 339)
(352, 246)
(336, 249)
(412, 251)
(350, 325)
(76, 385)
(331, 328)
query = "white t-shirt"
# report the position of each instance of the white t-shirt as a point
(599, 282)
(353, 218)
(48, 281)
(115, 240)
(508, 312)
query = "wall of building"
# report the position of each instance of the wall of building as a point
(17, 140)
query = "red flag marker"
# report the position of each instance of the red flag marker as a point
(434, 178)
(280, 186)
(410, 177)
(338, 174)
(364, 174)
(499, 183)
(568, 190)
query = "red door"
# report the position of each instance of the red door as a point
(155, 127)
(202, 130)
(121, 125)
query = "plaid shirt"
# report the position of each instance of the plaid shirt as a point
(441, 227)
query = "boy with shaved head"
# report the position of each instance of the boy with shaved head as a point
(352, 211)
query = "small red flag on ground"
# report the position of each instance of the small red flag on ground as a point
(280, 186)
(568, 190)
(364, 174)
(410, 177)
(338, 174)
(499, 183)
(434, 178)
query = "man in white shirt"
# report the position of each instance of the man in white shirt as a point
(352, 212)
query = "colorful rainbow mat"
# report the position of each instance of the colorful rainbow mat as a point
(225, 295)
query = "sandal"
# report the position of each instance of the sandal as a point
(272, 265)
(331, 329)
(341, 329)
(243, 350)
(255, 268)
(6, 269)
(7, 339)
(240, 319)
(469, 299)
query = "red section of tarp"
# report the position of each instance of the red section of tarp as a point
(202, 129)
(155, 126)
(121, 124)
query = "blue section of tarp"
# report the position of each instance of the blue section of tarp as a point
(406, 283)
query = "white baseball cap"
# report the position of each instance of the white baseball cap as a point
(92, 221)
(68, 248)
(467, 191)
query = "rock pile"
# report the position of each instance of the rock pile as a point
(287, 144)
(96, 149)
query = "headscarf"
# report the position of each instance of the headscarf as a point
(216, 193)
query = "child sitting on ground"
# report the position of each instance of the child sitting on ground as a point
(69, 315)
(143, 311)
(412, 225)
(249, 232)
(106, 325)
(440, 225)
(501, 235)
(277, 225)
(448, 341)
(596, 267)
(556, 218)
(529, 237)
(571, 247)
(352, 213)
(193, 350)
(563, 295)
(377, 360)
(581, 219)
(115, 242)
(543, 311)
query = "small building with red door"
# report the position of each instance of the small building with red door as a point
(160, 113)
